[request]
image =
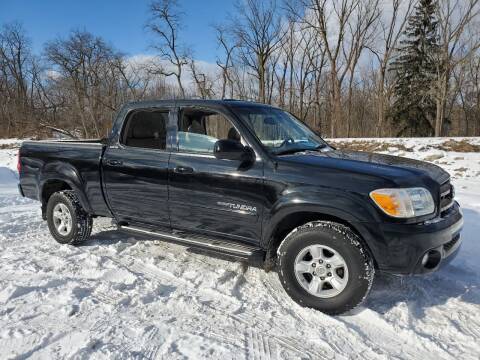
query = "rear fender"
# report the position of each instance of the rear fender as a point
(60, 171)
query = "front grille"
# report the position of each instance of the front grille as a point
(446, 197)
(451, 243)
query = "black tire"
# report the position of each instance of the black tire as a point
(81, 222)
(347, 244)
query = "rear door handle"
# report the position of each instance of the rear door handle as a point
(114, 162)
(183, 170)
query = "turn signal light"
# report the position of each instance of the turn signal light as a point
(387, 203)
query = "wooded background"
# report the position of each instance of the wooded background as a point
(348, 68)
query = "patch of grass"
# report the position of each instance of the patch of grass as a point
(459, 146)
(369, 146)
(433, 157)
(385, 146)
(9, 146)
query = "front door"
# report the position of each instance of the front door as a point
(136, 169)
(216, 197)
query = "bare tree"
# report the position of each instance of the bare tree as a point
(456, 19)
(344, 27)
(202, 81)
(228, 46)
(86, 65)
(165, 24)
(259, 32)
(18, 73)
(319, 62)
(391, 25)
(361, 32)
(467, 86)
(135, 77)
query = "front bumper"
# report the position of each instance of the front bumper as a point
(416, 248)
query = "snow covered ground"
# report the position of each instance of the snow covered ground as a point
(119, 296)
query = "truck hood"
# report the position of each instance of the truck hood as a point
(386, 166)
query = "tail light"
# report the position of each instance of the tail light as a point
(19, 163)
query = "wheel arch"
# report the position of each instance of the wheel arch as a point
(294, 219)
(60, 176)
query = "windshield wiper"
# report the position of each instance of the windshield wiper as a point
(289, 151)
(319, 147)
(295, 150)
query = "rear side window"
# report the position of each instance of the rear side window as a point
(146, 129)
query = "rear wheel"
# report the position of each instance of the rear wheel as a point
(323, 265)
(67, 220)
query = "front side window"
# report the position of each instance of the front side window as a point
(199, 130)
(278, 131)
(146, 129)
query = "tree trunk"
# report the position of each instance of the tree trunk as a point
(441, 103)
(224, 82)
(81, 108)
(179, 80)
(380, 103)
(348, 120)
(261, 79)
(336, 117)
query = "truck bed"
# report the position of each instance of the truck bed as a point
(43, 161)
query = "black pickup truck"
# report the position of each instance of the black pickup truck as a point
(251, 182)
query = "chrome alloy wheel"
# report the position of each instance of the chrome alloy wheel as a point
(62, 219)
(321, 271)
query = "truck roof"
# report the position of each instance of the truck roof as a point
(198, 102)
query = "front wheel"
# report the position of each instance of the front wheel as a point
(67, 220)
(323, 265)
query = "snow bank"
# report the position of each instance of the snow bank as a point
(10, 141)
(7, 176)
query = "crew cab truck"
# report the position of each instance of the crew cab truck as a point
(251, 182)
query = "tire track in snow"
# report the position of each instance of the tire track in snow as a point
(400, 342)
(257, 347)
(367, 332)
(258, 342)
(151, 344)
(338, 341)
(263, 346)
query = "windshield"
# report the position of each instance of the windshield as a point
(279, 131)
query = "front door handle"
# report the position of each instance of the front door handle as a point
(114, 162)
(183, 170)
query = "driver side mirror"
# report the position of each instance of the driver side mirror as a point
(232, 150)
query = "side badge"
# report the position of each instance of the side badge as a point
(238, 207)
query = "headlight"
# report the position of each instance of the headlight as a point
(404, 203)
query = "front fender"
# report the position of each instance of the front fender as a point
(349, 207)
(60, 171)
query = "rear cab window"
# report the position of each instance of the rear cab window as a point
(146, 129)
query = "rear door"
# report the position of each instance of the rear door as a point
(135, 169)
(208, 195)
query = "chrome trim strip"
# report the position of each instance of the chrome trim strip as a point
(203, 155)
(446, 207)
(184, 153)
(189, 241)
(445, 193)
